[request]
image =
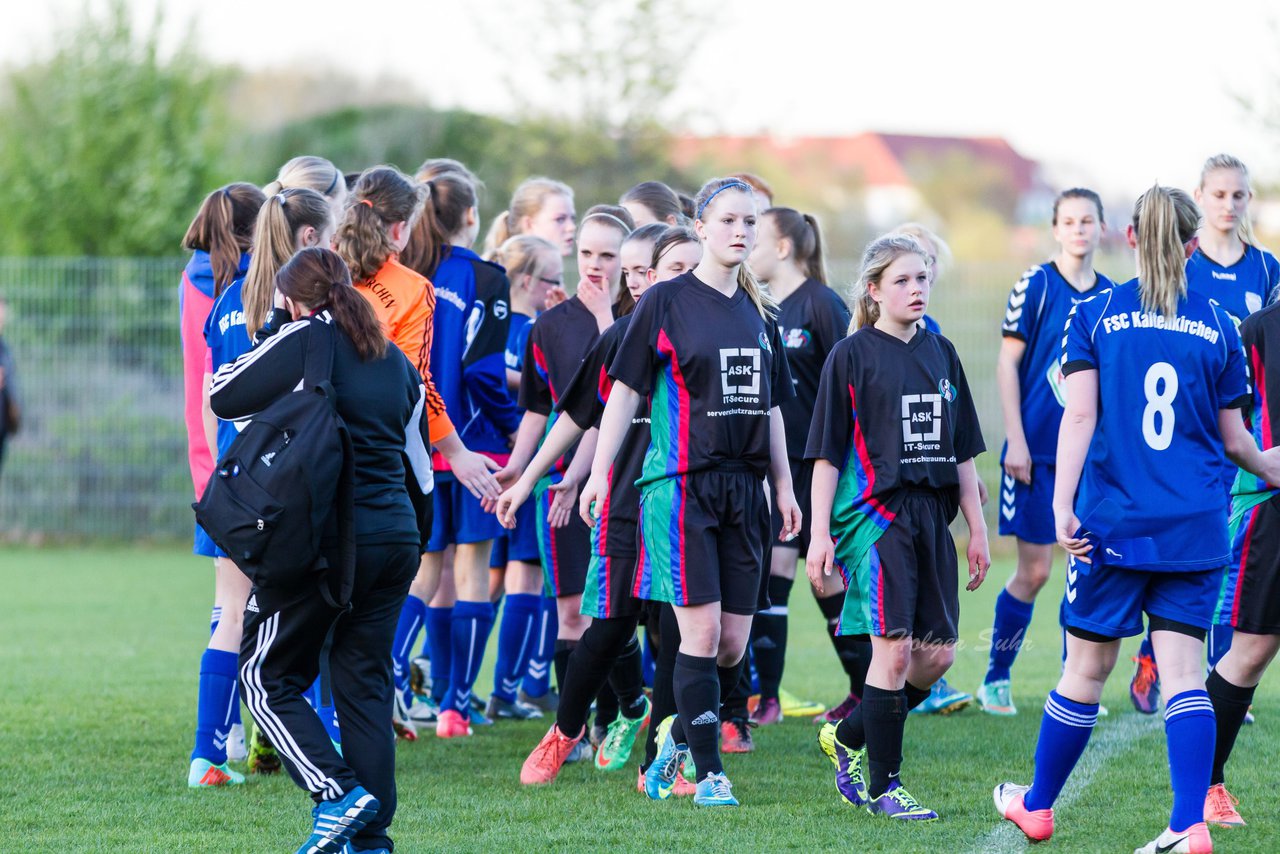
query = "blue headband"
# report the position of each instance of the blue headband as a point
(733, 185)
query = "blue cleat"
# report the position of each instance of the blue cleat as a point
(660, 777)
(943, 700)
(715, 791)
(337, 821)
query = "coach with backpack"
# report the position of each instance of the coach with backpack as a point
(328, 586)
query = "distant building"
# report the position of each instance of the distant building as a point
(884, 173)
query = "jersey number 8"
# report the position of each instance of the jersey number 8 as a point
(1159, 435)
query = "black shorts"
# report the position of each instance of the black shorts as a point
(912, 576)
(702, 539)
(565, 551)
(1250, 600)
(802, 481)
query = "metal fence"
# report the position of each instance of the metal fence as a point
(102, 452)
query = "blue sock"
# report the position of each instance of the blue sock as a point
(1220, 635)
(516, 638)
(1190, 730)
(537, 682)
(1146, 648)
(412, 615)
(648, 666)
(751, 669)
(217, 693)
(327, 714)
(215, 617)
(1064, 732)
(440, 637)
(472, 622)
(1007, 631)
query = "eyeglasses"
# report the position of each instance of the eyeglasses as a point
(555, 283)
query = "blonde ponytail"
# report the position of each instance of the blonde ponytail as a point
(876, 258)
(1165, 219)
(498, 234)
(274, 242)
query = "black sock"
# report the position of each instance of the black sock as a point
(627, 679)
(698, 698)
(585, 670)
(560, 660)
(915, 696)
(1230, 704)
(850, 730)
(606, 705)
(769, 638)
(664, 698)
(854, 651)
(884, 715)
(735, 691)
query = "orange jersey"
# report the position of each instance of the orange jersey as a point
(405, 303)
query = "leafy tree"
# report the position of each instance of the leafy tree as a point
(107, 145)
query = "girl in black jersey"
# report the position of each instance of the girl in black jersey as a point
(893, 439)
(705, 350)
(380, 396)
(813, 317)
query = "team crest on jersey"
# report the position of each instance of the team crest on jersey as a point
(764, 342)
(947, 390)
(796, 338)
(500, 309)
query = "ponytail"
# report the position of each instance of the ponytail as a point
(223, 227)
(764, 303)
(527, 200)
(274, 242)
(311, 173)
(1165, 219)
(498, 234)
(449, 196)
(318, 278)
(805, 235)
(876, 258)
(382, 197)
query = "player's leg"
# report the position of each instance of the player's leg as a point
(469, 633)
(517, 636)
(1013, 612)
(853, 650)
(769, 633)
(1231, 685)
(218, 698)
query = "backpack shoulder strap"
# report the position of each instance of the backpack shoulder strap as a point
(318, 366)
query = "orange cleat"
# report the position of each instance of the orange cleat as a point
(1036, 824)
(1220, 807)
(546, 760)
(735, 736)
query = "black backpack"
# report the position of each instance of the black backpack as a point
(289, 471)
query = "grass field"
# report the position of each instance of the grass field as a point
(97, 705)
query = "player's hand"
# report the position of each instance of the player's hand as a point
(820, 560)
(979, 554)
(277, 298)
(564, 496)
(592, 493)
(1017, 461)
(556, 295)
(1066, 524)
(506, 478)
(509, 502)
(475, 472)
(789, 510)
(983, 497)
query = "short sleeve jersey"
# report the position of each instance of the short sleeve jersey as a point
(712, 368)
(892, 415)
(1241, 288)
(558, 341)
(584, 402)
(1260, 336)
(517, 340)
(1157, 453)
(228, 339)
(812, 318)
(1036, 314)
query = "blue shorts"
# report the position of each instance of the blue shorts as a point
(205, 546)
(520, 543)
(1026, 510)
(458, 516)
(1110, 600)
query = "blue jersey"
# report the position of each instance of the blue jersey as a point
(517, 341)
(1154, 465)
(1242, 288)
(468, 362)
(1035, 314)
(228, 339)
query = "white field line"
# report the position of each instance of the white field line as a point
(1110, 739)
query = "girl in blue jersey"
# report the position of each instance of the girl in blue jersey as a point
(1029, 377)
(1154, 374)
(219, 237)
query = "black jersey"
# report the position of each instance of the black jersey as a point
(584, 402)
(813, 318)
(712, 368)
(559, 340)
(892, 415)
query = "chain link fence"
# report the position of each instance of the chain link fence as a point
(102, 451)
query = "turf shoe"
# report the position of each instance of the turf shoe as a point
(452, 725)
(1220, 807)
(996, 698)
(337, 821)
(548, 703)
(1036, 824)
(794, 707)
(767, 711)
(1144, 688)
(546, 760)
(851, 780)
(898, 804)
(263, 758)
(1194, 840)
(943, 700)
(203, 774)
(499, 709)
(615, 748)
(840, 712)
(400, 721)
(660, 778)
(735, 736)
(715, 791)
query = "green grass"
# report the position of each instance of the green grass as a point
(97, 706)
